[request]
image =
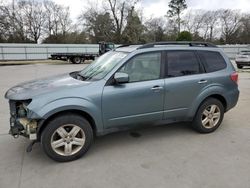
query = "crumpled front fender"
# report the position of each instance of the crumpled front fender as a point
(67, 104)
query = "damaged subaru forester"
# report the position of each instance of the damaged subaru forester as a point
(151, 84)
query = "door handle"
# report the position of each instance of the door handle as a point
(202, 82)
(156, 88)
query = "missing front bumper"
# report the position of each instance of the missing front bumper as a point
(23, 127)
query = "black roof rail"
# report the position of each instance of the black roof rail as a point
(190, 43)
(123, 45)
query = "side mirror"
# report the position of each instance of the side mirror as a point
(121, 78)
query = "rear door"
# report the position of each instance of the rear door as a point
(184, 81)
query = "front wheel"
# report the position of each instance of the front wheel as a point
(209, 116)
(67, 137)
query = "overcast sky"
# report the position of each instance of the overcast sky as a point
(157, 8)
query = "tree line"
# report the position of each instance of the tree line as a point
(119, 21)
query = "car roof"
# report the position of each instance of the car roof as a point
(175, 45)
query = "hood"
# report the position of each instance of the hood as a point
(28, 90)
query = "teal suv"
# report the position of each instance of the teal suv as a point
(152, 84)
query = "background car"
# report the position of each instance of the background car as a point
(243, 59)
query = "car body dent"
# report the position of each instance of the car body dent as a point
(71, 104)
(85, 96)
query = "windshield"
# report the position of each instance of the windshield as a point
(102, 66)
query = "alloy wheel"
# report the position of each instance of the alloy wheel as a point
(67, 140)
(211, 116)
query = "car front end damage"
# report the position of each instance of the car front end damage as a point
(20, 120)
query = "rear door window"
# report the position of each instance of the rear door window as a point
(182, 63)
(213, 61)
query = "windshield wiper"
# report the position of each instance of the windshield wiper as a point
(81, 76)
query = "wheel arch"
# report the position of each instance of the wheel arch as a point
(43, 123)
(219, 97)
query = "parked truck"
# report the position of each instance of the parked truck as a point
(77, 58)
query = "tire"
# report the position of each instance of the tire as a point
(239, 66)
(209, 116)
(67, 137)
(77, 60)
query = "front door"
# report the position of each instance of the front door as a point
(140, 100)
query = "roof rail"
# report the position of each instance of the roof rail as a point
(189, 43)
(123, 45)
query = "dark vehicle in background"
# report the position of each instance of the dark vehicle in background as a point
(243, 59)
(77, 58)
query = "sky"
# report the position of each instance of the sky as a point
(158, 8)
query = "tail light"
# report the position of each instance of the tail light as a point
(234, 76)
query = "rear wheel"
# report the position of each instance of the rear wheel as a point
(67, 137)
(239, 66)
(77, 60)
(209, 116)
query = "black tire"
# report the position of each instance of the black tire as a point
(239, 66)
(50, 132)
(207, 104)
(77, 60)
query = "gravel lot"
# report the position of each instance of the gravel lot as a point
(165, 156)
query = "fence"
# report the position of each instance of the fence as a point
(43, 51)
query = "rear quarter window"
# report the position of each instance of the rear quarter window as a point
(213, 61)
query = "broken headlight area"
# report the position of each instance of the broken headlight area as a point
(20, 124)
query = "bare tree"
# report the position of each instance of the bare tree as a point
(155, 29)
(34, 18)
(64, 19)
(119, 10)
(51, 26)
(57, 19)
(193, 21)
(12, 23)
(230, 22)
(211, 23)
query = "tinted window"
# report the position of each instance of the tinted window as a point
(181, 63)
(143, 67)
(213, 61)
